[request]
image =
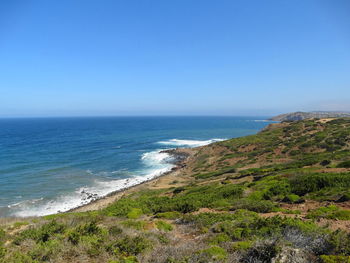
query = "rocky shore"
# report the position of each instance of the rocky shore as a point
(178, 158)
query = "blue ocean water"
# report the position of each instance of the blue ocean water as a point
(49, 165)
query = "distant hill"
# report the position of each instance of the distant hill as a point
(298, 116)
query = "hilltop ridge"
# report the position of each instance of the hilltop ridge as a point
(299, 115)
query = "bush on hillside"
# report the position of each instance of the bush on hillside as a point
(307, 183)
(345, 164)
(329, 212)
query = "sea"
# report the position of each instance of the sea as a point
(51, 165)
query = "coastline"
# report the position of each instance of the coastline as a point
(165, 180)
(115, 170)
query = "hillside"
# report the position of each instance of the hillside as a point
(282, 195)
(298, 116)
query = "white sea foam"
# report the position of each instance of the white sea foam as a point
(188, 143)
(263, 121)
(156, 163)
(155, 158)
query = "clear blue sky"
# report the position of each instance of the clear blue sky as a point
(181, 57)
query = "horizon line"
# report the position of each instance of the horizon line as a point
(126, 116)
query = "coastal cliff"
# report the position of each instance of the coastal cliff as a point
(282, 195)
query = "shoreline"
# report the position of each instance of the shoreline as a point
(180, 156)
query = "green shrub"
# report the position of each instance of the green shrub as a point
(19, 257)
(262, 252)
(328, 194)
(292, 199)
(179, 190)
(131, 246)
(129, 259)
(73, 236)
(135, 224)
(164, 226)
(260, 206)
(163, 239)
(19, 224)
(279, 187)
(187, 201)
(242, 245)
(339, 243)
(187, 205)
(295, 152)
(123, 206)
(205, 220)
(244, 224)
(2, 252)
(325, 162)
(219, 238)
(345, 197)
(134, 213)
(214, 253)
(2, 235)
(88, 229)
(307, 183)
(44, 251)
(230, 229)
(269, 188)
(345, 164)
(221, 204)
(335, 259)
(341, 215)
(93, 244)
(115, 230)
(169, 215)
(329, 212)
(277, 224)
(41, 234)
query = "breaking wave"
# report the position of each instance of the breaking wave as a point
(155, 163)
(188, 143)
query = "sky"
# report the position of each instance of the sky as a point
(180, 57)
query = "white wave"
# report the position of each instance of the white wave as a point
(189, 143)
(21, 203)
(156, 163)
(265, 121)
(262, 121)
(155, 158)
(16, 204)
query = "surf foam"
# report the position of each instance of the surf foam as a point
(156, 163)
(189, 143)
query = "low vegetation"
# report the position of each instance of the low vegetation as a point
(279, 196)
